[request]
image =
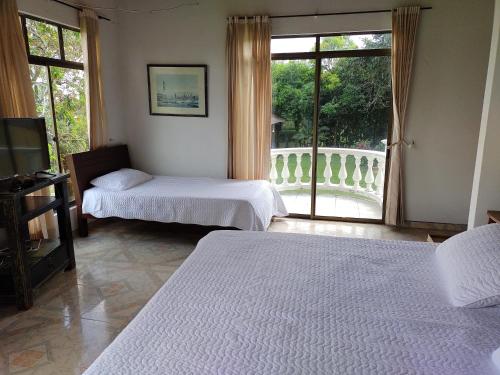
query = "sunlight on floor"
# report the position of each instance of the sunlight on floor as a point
(335, 205)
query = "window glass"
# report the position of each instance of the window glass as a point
(72, 45)
(350, 42)
(43, 39)
(281, 45)
(68, 87)
(41, 89)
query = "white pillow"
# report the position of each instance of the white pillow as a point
(470, 265)
(496, 358)
(122, 179)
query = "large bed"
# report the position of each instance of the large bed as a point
(248, 205)
(270, 303)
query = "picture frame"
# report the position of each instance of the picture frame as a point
(178, 90)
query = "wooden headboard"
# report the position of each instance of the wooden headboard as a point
(86, 166)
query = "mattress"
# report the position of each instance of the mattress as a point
(247, 205)
(272, 303)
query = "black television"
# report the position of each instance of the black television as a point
(24, 149)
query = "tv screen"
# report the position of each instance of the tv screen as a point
(24, 148)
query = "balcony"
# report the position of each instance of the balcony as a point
(350, 182)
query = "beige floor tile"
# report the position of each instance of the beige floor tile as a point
(119, 267)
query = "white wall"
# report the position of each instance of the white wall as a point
(52, 11)
(444, 110)
(486, 186)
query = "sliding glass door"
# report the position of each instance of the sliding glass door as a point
(292, 135)
(331, 117)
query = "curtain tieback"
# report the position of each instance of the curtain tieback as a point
(402, 142)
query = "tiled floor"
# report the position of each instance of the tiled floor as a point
(119, 267)
(331, 204)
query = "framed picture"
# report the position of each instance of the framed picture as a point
(178, 90)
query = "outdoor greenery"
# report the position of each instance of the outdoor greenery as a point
(355, 97)
(68, 90)
(355, 105)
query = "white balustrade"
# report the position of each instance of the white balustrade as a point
(273, 175)
(298, 170)
(370, 185)
(369, 178)
(342, 170)
(285, 173)
(379, 180)
(328, 169)
(356, 177)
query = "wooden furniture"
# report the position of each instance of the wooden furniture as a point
(23, 270)
(85, 166)
(493, 217)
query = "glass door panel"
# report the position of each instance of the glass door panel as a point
(292, 132)
(40, 82)
(354, 116)
(68, 87)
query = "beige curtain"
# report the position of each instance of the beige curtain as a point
(404, 32)
(248, 48)
(96, 114)
(16, 92)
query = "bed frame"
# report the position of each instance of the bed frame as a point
(85, 166)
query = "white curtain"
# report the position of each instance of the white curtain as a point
(404, 33)
(16, 92)
(248, 48)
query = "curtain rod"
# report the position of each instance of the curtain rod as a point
(336, 13)
(78, 8)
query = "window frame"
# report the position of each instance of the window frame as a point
(317, 55)
(49, 62)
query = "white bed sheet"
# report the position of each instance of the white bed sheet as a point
(247, 205)
(269, 303)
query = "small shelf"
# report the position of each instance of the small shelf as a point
(24, 271)
(33, 206)
(46, 247)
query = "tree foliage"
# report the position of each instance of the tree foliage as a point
(355, 97)
(68, 90)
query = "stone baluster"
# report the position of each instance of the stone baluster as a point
(369, 174)
(285, 173)
(379, 180)
(273, 175)
(328, 169)
(343, 170)
(298, 170)
(309, 173)
(357, 176)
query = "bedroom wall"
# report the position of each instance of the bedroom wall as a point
(109, 31)
(445, 103)
(444, 111)
(486, 187)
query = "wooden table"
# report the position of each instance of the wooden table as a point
(493, 217)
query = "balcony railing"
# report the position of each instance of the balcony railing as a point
(364, 175)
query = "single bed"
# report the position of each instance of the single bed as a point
(248, 205)
(270, 303)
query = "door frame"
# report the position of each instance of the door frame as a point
(317, 56)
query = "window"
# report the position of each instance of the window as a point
(56, 68)
(332, 111)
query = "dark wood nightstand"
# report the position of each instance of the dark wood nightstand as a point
(493, 217)
(23, 270)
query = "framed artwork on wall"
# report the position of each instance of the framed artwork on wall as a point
(178, 90)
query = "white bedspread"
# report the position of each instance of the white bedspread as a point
(248, 205)
(268, 303)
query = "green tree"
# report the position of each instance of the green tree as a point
(355, 97)
(68, 90)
